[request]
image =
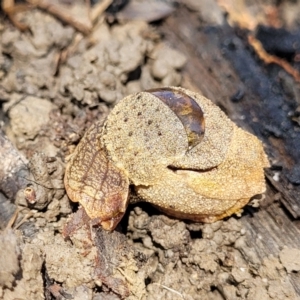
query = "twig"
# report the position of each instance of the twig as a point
(269, 59)
(61, 14)
(99, 9)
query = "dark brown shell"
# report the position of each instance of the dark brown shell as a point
(186, 109)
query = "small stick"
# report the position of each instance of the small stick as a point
(269, 59)
(61, 14)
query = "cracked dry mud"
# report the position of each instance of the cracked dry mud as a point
(150, 256)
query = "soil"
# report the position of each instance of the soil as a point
(50, 93)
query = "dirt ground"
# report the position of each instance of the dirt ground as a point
(54, 83)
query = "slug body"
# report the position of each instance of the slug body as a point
(179, 151)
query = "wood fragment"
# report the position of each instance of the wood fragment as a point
(272, 59)
(99, 9)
